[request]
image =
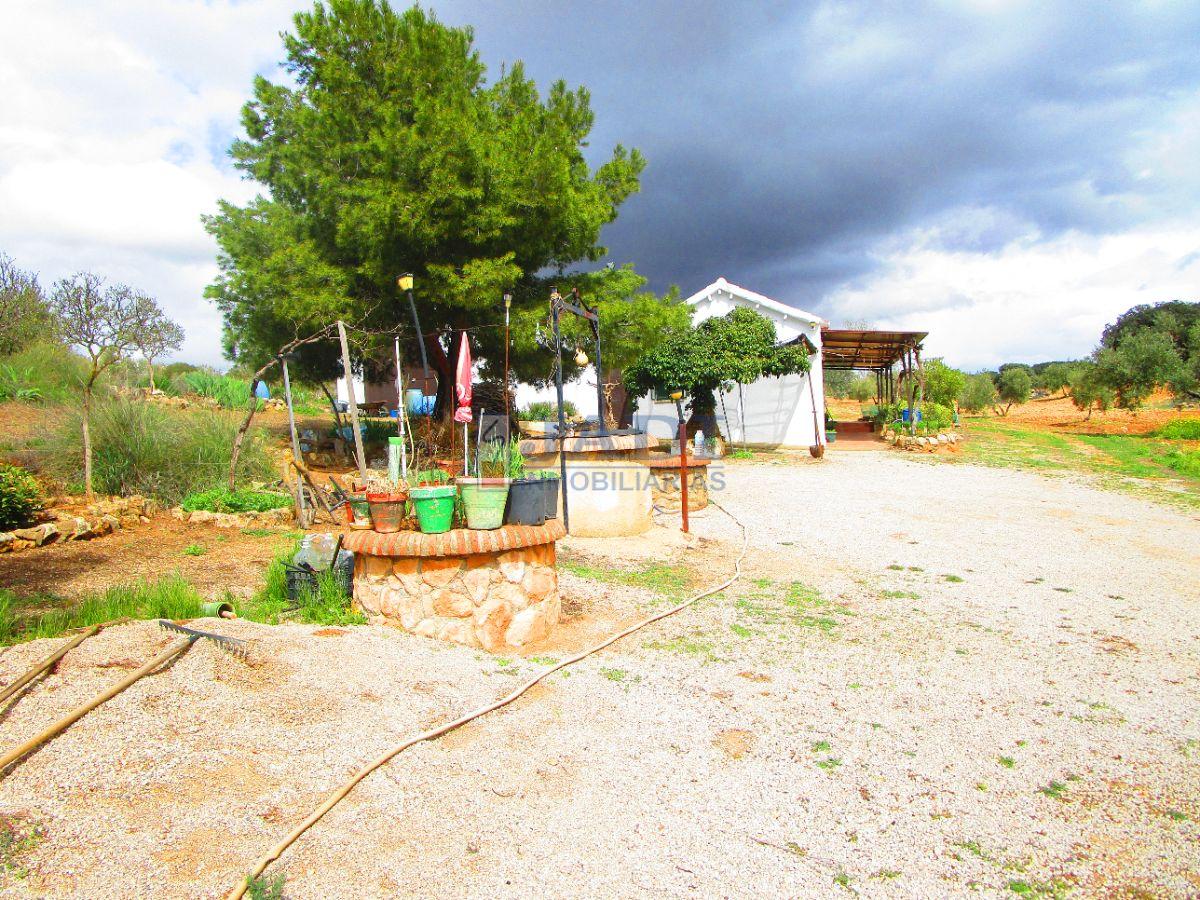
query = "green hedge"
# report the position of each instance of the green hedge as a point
(227, 501)
(1180, 430)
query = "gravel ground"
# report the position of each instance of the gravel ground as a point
(845, 718)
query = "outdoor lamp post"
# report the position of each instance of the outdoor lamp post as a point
(405, 282)
(677, 396)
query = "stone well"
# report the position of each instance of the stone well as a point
(665, 484)
(492, 589)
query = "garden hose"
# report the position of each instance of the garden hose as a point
(315, 816)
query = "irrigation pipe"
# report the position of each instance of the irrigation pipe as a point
(79, 712)
(336, 797)
(46, 663)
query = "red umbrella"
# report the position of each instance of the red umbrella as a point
(462, 383)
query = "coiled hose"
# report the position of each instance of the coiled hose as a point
(336, 797)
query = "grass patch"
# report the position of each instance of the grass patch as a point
(954, 579)
(18, 835)
(900, 595)
(740, 630)
(617, 675)
(328, 604)
(671, 581)
(168, 598)
(687, 645)
(194, 550)
(156, 451)
(264, 888)
(1155, 464)
(1054, 888)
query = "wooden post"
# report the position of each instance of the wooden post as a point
(360, 456)
(287, 393)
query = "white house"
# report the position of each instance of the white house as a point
(772, 412)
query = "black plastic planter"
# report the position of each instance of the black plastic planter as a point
(525, 503)
(549, 487)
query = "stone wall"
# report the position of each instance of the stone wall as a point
(497, 601)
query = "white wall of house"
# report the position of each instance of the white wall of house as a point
(581, 391)
(770, 412)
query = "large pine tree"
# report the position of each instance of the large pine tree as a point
(387, 152)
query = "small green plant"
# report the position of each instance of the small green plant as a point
(617, 675)
(264, 888)
(896, 568)
(741, 453)
(841, 879)
(1007, 761)
(516, 459)
(195, 550)
(543, 660)
(829, 763)
(17, 385)
(887, 874)
(900, 595)
(740, 630)
(1055, 790)
(492, 459)
(820, 747)
(1176, 816)
(955, 579)
(20, 498)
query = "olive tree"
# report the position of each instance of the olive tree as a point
(1013, 387)
(161, 336)
(105, 324)
(24, 314)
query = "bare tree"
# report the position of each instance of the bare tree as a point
(158, 336)
(24, 313)
(105, 323)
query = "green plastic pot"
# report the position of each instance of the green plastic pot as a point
(484, 500)
(435, 507)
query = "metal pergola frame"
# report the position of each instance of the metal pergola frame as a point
(872, 350)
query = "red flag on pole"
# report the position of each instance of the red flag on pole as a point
(462, 383)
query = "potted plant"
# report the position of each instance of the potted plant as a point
(525, 503)
(485, 497)
(433, 498)
(830, 428)
(387, 509)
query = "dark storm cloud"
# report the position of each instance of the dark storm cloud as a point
(785, 141)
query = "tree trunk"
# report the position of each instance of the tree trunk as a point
(150, 366)
(87, 442)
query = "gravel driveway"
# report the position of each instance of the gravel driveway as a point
(934, 680)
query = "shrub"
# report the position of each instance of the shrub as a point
(943, 385)
(547, 411)
(936, 417)
(145, 448)
(224, 500)
(1185, 462)
(47, 373)
(1180, 430)
(20, 498)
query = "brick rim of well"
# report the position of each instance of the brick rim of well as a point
(456, 542)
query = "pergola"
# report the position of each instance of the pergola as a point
(875, 351)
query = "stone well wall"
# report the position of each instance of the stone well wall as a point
(492, 589)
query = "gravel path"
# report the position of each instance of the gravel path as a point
(846, 718)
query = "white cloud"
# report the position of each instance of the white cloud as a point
(117, 116)
(1033, 300)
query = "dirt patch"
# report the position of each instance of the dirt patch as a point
(231, 560)
(735, 742)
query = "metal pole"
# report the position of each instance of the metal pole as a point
(562, 419)
(287, 393)
(602, 424)
(683, 479)
(400, 411)
(358, 444)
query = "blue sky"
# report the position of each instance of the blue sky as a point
(1008, 176)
